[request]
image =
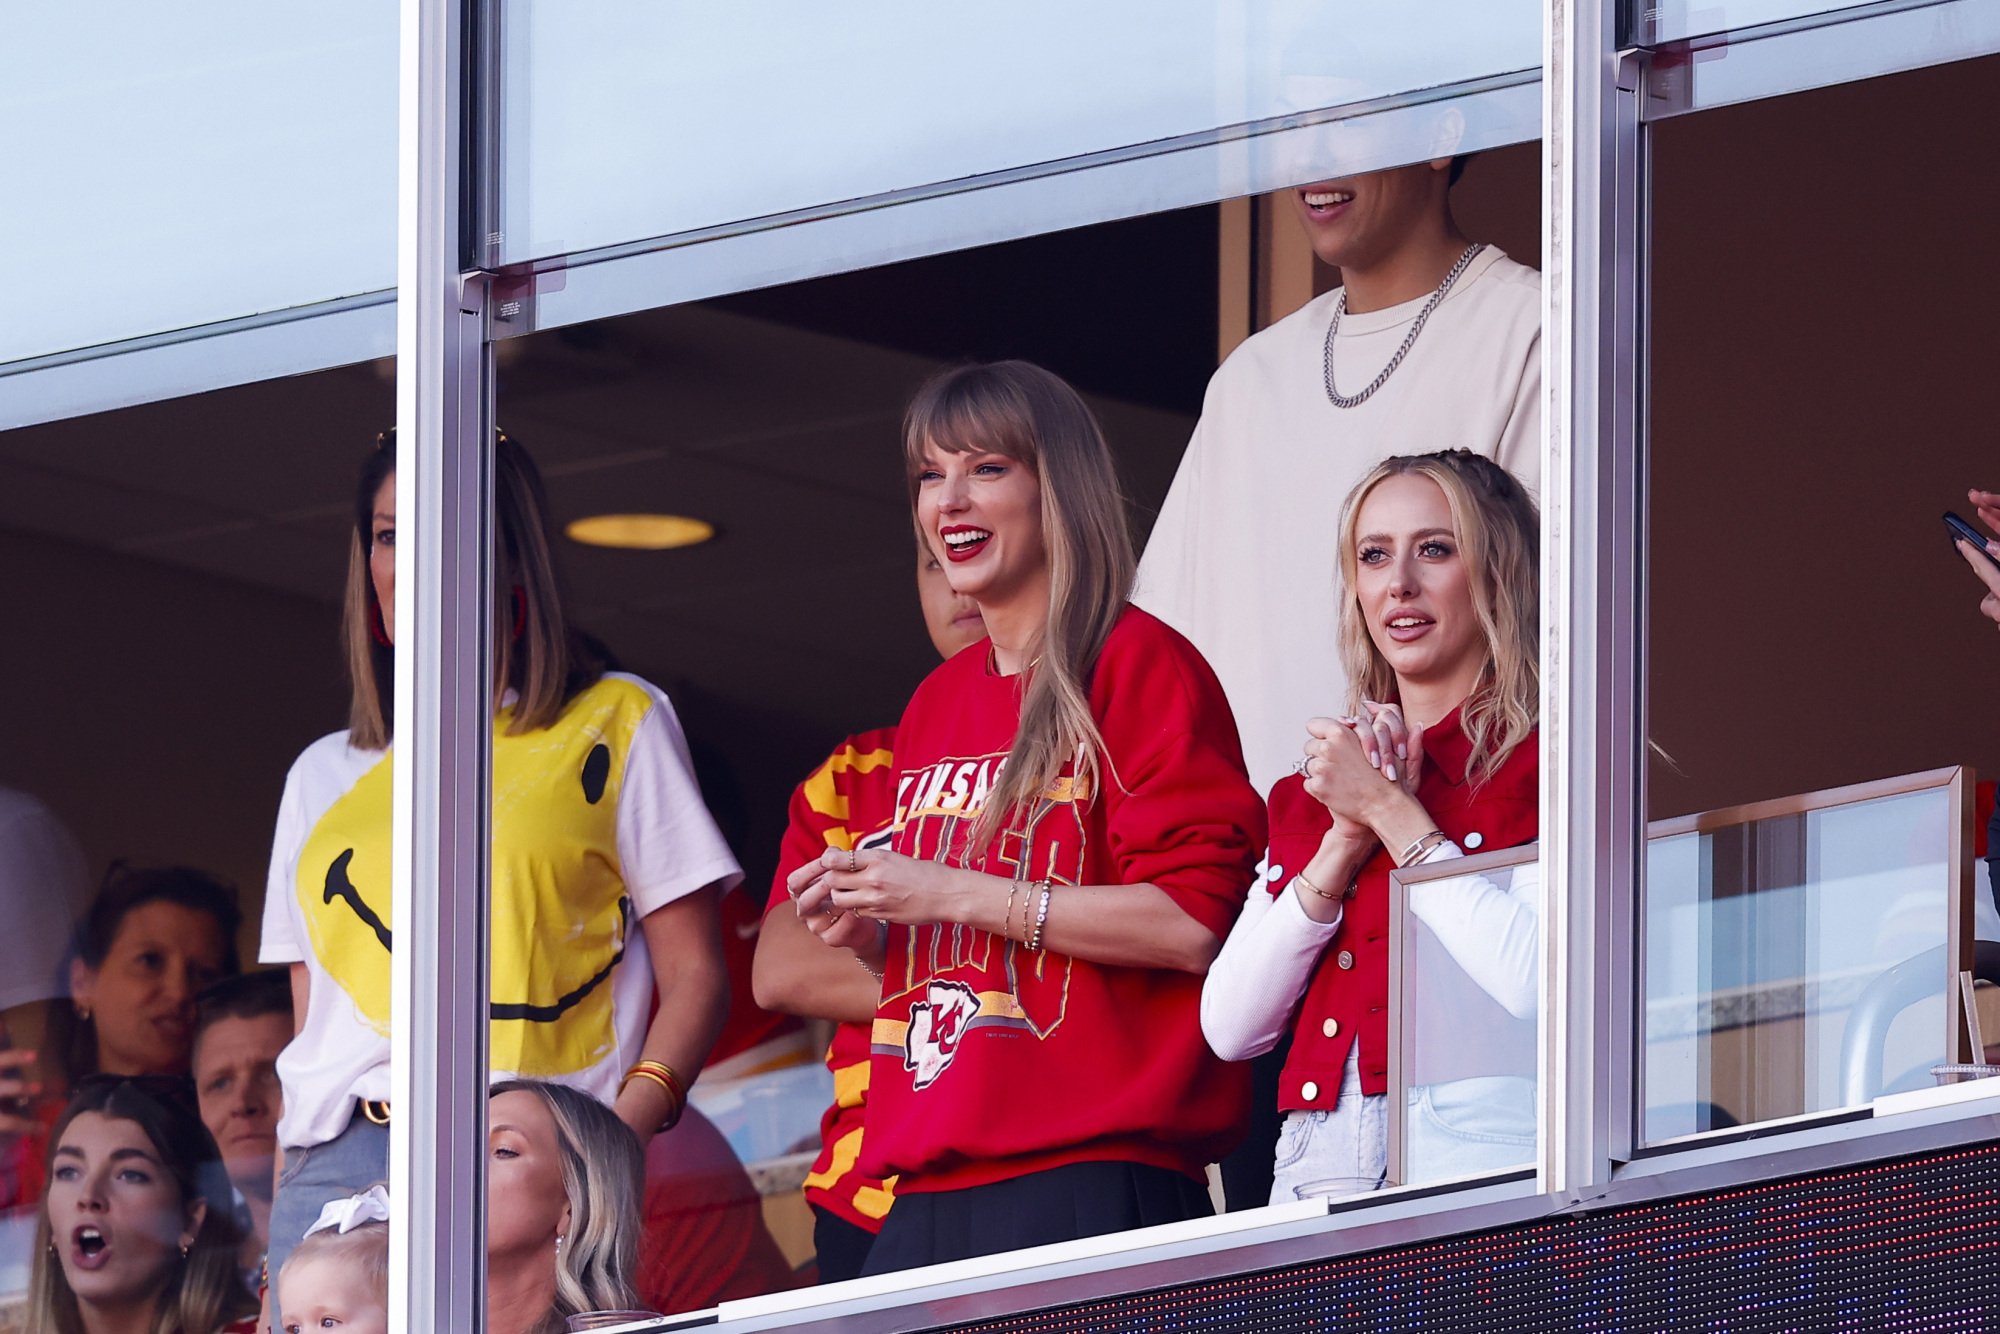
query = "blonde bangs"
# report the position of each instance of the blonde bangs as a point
(1022, 412)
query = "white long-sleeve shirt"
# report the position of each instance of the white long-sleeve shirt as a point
(1489, 929)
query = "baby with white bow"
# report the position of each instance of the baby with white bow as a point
(338, 1277)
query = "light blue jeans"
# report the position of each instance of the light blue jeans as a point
(1456, 1129)
(315, 1177)
(1341, 1152)
(1470, 1126)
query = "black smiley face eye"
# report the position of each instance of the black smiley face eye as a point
(596, 772)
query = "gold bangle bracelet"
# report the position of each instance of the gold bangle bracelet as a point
(1007, 917)
(1300, 876)
(676, 1100)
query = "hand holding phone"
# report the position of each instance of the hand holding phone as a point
(1961, 531)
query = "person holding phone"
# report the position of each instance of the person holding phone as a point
(1984, 558)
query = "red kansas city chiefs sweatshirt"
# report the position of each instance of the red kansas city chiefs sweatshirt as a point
(992, 1061)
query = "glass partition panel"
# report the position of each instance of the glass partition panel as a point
(169, 854)
(626, 120)
(1466, 979)
(175, 166)
(1801, 956)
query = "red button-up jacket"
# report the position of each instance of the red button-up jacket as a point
(1349, 990)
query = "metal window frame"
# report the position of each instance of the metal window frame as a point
(442, 758)
(194, 361)
(1002, 206)
(1820, 51)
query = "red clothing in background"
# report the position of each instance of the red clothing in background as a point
(848, 802)
(747, 1027)
(991, 1062)
(703, 1238)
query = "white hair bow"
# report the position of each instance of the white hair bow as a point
(370, 1206)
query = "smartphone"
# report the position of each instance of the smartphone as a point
(1961, 529)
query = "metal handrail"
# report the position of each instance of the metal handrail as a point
(1866, 1037)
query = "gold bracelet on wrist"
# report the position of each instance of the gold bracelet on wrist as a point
(662, 1074)
(1007, 917)
(1041, 920)
(1311, 888)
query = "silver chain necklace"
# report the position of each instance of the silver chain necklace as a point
(1340, 400)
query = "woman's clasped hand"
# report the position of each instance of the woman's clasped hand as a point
(1356, 768)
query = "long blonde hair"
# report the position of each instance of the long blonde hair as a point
(535, 650)
(1022, 412)
(1499, 541)
(203, 1291)
(603, 1175)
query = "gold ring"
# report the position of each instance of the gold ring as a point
(853, 863)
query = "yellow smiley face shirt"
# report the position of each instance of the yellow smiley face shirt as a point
(597, 822)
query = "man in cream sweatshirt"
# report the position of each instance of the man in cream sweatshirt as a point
(1432, 342)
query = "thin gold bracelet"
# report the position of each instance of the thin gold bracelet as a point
(1300, 876)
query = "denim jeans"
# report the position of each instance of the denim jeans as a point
(1340, 1152)
(1469, 1126)
(313, 1178)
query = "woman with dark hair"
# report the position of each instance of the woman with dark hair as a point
(1438, 620)
(154, 937)
(605, 869)
(1074, 835)
(136, 1232)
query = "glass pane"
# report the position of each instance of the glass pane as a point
(1674, 20)
(1469, 967)
(1752, 679)
(171, 167)
(1796, 963)
(626, 120)
(165, 851)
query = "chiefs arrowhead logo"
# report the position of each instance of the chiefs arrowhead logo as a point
(937, 1024)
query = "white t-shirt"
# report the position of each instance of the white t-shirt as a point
(597, 822)
(1242, 559)
(44, 892)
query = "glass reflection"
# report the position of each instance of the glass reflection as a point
(1470, 965)
(834, 112)
(1795, 962)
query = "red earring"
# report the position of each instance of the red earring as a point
(520, 599)
(375, 628)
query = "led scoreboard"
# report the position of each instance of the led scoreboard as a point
(1912, 1245)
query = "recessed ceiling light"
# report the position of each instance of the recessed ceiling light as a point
(640, 532)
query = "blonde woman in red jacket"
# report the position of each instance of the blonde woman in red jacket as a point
(1074, 836)
(1439, 623)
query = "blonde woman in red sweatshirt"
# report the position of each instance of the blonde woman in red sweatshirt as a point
(1075, 834)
